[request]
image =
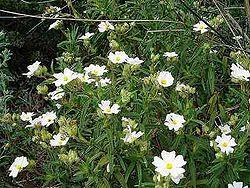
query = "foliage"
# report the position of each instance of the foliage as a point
(96, 155)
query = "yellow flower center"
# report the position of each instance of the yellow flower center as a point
(164, 82)
(65, 78)
(169, 166)
(202, 26)
(225, 144)
(118, 58)
(60, 142)
(175, 122)
(95, 72)
(19, 167)
(108, 110)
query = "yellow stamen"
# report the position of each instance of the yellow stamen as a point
(169, 166)
(65, 78)
(164, 82)
(19, 167)
(224, 144)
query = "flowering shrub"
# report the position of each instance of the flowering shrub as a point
(128, 106)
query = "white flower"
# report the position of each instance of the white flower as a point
(55, 25)
(237, 37)
(85, 78)
(48, 118)
(211, 143)
(106, 109)
(18, 165)
(95, 70)
(201, 26)
(170, 164)
(32, 69)
(225, 143)
(237, 185)
(58, 105)
(59, 140)
(103, 82)
(35, 122)
(170, 55)
(174, 121)
(239, 73)
(130, 137)
(165, 79)
(65, 77)
(225, 129)
(118, 57)
(108, 168)
(125, 119)
(57, 94)
(134, 61)
(27, 116)
(180, 87)
(86, 36)
(177, 179)
(105, 26)
(242, 129)
(213, 51)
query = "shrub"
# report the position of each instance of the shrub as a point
(162, 103)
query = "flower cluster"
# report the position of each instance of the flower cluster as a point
(130, 135)
(239, 73)
(121, 57)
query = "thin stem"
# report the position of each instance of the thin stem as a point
(22, 15)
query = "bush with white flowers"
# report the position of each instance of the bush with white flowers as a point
(128, 104)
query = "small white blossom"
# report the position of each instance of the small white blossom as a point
(108, 168)
(85, 78)
(55, 25)
(237, 37)
(177, 179)
(242, 129)
(237, 185)
(95, 70)
(103, 82)
(118, 57)
(134, 61)
(213, 51)
(106, 109)
(32, 69)
(170, 55)
(225, 143)
(211, 143)
(35, 122)
(239, 73)
(86, 36)
(48, 118)
(105, 26)
(58, 105)
(165, 79)
(130, 137)
(27, 116)
(57, 94)
(180, 87)
(201, 26)
(170, 165)
(174, 121)
(59, 140)
(18, 165)
(225, 129)
(65, 77)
